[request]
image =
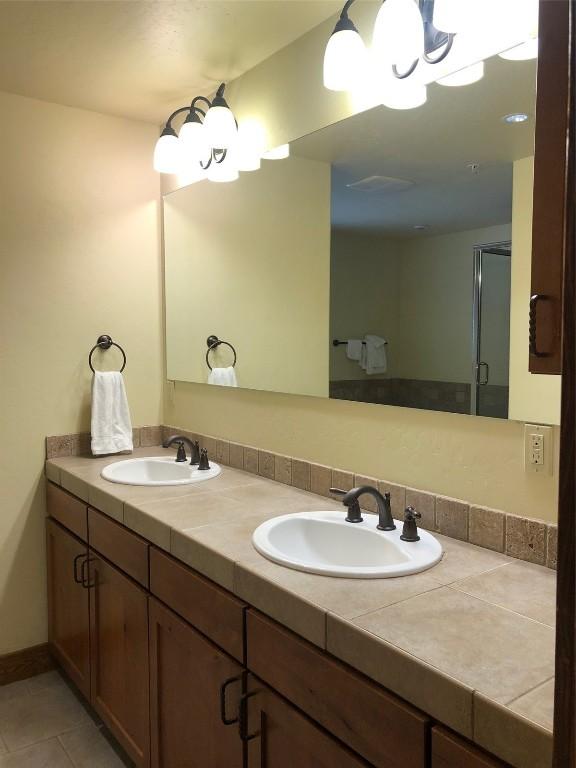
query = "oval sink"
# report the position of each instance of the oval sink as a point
(324, 543)
(157, 470)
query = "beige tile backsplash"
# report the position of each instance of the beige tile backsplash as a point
(523, 538)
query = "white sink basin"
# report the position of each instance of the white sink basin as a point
(323, 542)
(157, 470)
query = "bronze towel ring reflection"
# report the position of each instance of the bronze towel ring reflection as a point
(105, 342)
(213, 342)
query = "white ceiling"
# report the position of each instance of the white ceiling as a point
(432, 147)
(142, 58)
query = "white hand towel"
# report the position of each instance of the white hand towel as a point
(354, 349)
(223, 377)
(111, 425)
(374, 359)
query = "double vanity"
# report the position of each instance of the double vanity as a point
(323, 542)
(186, 641)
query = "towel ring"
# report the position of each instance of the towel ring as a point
(213, 342)
(105, 342)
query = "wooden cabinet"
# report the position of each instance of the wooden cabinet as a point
(68, 614)
(119, 545)
(450, 751)
(277, 735)
(119, 656)
(550, 172)
(213, 611)
(69, 511)
(195, 690)
(374, 723)
(186, 675)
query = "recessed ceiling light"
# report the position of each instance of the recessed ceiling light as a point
(515, 117)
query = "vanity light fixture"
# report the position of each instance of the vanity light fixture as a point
(407, 32)
(346, 57)
(466, 76)
(280, 152)
(522, 52)
(515, 118)
(210, 144)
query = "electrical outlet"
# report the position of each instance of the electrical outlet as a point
(538, 449)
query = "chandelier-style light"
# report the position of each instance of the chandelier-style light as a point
(407, 32)
(210, 144)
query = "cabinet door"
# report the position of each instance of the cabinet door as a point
(119, 656)
(550, 169)
(279, 736)
(450, 751)
(68, 615)
(190, 697)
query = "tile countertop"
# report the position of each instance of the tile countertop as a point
(470, 641)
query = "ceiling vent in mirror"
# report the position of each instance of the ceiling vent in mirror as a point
(380, 185)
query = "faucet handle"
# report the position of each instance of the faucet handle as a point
(338, 492)
(181, 453)
(203, 464)
(410, 529)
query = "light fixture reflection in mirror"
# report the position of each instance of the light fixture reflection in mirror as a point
(398, 33)
(466, 76)
(280, 152)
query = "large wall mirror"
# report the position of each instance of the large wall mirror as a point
(377, 264)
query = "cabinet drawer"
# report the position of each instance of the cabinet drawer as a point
(385, 730)
(450, 751)
(119, 545)
(212, 610)
(68, 510)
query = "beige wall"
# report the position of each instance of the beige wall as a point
(250, 262)
(473, 458)
(364, 296)
(532, 398)
(436, 279)
(78, 257)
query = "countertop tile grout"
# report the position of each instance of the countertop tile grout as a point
(530, 690)
(500, 607)
(232, 563)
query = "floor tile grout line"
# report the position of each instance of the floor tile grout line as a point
(63, 746)
(47, 740)
(501, 607)
(530, 690)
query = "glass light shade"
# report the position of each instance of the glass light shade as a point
(452, 15)
(527, 50)
(280, 152)
(345, 60)
(398, 33)
(167, 154)
(403, 94)
(194, 144)
(519, 17)
(249, 146)
(220, 127)
(191, 173)
(224, 171)
(465, 76)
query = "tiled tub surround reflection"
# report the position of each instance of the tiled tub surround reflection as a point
(450, 396)
(470, 641)
(524, 538)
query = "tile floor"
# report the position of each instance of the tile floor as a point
(44, 724)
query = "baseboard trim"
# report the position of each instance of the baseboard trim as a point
(26, 663)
